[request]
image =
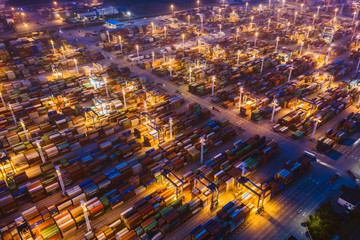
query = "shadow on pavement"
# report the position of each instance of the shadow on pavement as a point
(349, 142)
(334, 154)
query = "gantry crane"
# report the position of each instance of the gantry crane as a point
(210, 185)
(261, 197)
(165, 174)
(91, 113)
(98, 101)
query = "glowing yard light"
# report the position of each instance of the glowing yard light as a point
(58, 172)
(183, 40)
(171, 127)
(353, 21)
(40, 151)
(2, 100)
(12, 113)
(24, 129)
(83, 206)
(317, 120)
(291, 68)
(124, 97)
(277, 43)
(274, 103)
(137, 51)
(256, 35)
(106, 88)
(120, 42)
(52, 44)
(76, 66)
(240, 99)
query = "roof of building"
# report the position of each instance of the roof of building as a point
(113, 22)
(351, 196)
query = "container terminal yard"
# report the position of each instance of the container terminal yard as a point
(222, 121)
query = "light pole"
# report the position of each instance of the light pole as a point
(237, 33)
(172, 9)
(120, 42)
(202, 140)
(188, 17)
(124, 96)
(24, 129)
(291, 68)
(277, 15)
(317, 12)
(198, 4)
(336, 10)
(165, 32)
(58, 172)
(108, 35)
(137, 51)
(269, 3)
(301, 7)
(283, 4)
(262, 65)
(26, 28)
(220, 28)
(83, 206)
(106, 88)
(301, 47)
(152, 27)
(317, 120)
(2, 100)
(295, 15)
(76, 66)
(246, 6)
(251, 20)
(183, 40)
(240, 99)
(353, 21)
(357, 67)
(213, 86)
(52, 44)
(308, 33)
(145, 105)
(274, 103)
(314, 18)
(277, 43)
(269, 21)
(256, 35)
(153, 59)
(171, 127)
(40, 151)
(12, 113)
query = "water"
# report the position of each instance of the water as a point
(142, 7)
